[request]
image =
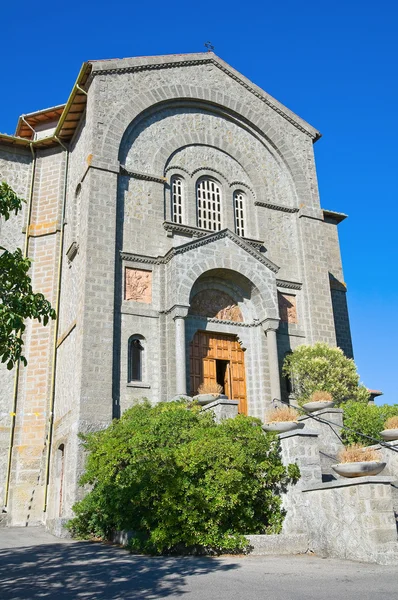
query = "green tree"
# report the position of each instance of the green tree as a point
(323, 368)
(180, 481)
(17, 299)
(367, 419)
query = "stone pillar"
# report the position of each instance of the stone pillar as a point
(180, 312)
(270, 327)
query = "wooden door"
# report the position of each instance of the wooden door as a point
(208, 348)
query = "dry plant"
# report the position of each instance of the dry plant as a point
(210, 387)
(284, 413)
(358, 453)
(391, 423)
(320, 396)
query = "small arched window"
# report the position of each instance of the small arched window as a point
(177, 199)
(208, 202)
(136, 358)
(239, 210)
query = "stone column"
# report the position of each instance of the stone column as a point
(270, 326)
(180, 312)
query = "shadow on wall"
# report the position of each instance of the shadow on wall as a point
(338, 292)
(90, 570)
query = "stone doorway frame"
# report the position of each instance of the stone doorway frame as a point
(205, 348)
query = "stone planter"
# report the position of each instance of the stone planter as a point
(204, 399)
(282, 426)
(389, 435)
(314, 406)
(359, 469)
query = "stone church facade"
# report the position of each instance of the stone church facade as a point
(174, 221)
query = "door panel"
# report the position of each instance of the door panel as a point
(205, 349)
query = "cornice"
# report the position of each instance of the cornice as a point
(196, 232)
(222, 322)
(203, 61)
(291, 285)
(287, 209)
(144, 176)
(153, 67)
(332, 215)
(141, 258)
(171, 228)
(203, 241)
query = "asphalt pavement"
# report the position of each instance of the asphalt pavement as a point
(34, 564)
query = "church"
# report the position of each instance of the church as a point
(174, 222)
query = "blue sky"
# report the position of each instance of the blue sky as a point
(333, 63)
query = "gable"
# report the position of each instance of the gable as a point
(167, 62)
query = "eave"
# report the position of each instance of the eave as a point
(69, 117)
(28, 123)
(331, 215)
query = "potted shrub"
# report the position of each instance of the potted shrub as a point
(359, 461)
(390, 433)
(208, 392)
(318, 401)
(282, 419)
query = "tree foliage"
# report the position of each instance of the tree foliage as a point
(17, 299)
(323, 368)
(182, 482)
(367, 419)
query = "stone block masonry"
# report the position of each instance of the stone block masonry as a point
(131, 268)
(29, 452)
(344, 518)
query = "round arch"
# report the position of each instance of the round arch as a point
(246, 284)
(133, 112)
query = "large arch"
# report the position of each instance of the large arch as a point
(240, 290)
(211, 137)
(224, 252)
(136, 108)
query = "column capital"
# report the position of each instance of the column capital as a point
(270, 324)
(179, 311)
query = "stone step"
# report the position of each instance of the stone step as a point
(278, 544)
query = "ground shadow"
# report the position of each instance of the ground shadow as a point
(89, 570)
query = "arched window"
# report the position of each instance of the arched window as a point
(239, 210)
(208, 201)
(177, 199)
(136, 358)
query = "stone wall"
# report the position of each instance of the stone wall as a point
(15, 169)
(35, 381)
(352, 519)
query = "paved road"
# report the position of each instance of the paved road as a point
(34, 564)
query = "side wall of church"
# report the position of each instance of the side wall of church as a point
(26, 498)
(70, 333)
(15, 169)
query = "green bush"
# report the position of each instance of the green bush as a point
(367, 419)
(323, 368)
(182, 482)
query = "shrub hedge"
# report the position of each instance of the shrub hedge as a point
(181, 482)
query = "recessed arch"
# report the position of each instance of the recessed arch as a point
(131, 116)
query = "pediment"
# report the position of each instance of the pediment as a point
(192, 245)
(216, 238)
(128, 65)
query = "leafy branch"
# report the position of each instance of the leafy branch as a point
(18, 302)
